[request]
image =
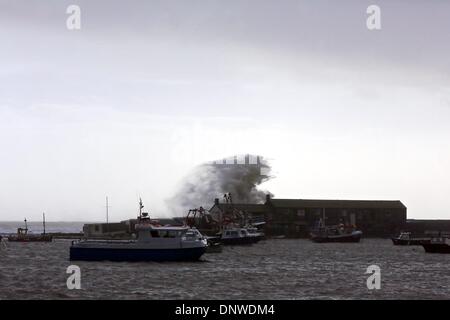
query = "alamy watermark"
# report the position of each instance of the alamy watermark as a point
(73, 21)
(373, 21)
(374, 280)
(74, 280)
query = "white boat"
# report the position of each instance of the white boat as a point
(153, 243)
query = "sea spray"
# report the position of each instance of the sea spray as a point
(238, 175)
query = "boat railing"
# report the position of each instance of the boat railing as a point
(103, 241)
(443, 240)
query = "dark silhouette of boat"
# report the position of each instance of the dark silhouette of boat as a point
(437, 245)
(22, 235)
(405, 239)
(238, 236)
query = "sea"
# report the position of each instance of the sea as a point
(270, 269)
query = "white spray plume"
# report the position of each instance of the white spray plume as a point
(239, 175)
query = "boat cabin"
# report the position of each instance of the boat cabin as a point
(235, 233)
(148, 231)
(22, 231)
(405, 235)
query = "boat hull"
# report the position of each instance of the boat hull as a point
(121, 254)
(239, 241)
(30, 239)
(436, 247)
(351, 238)
(409, 242)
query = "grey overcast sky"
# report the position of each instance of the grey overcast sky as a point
(127, 105)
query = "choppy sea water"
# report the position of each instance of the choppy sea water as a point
(271, 269)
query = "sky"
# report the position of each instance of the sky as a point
(129, 104)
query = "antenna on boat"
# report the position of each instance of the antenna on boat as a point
(141, 206)
(43, 220)
(26, 227)
(107, 210)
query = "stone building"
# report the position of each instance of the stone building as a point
(295, 217)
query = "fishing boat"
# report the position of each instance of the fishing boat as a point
(23, 235)
(335, 234)
(437, 245)
(255, 232)
(192, 220)
(405, 239)
(234, 226)
(153, 243)
(237, 236)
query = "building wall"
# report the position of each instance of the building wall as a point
(296, 222)
(421, 228)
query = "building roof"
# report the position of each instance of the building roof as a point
(246, 207)
(317, 203)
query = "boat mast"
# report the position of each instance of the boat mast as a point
(43, 220)
(141, 205)
(26, 227)
(323, 213)
(107, 210)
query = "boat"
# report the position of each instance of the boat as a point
(237, 236)
(255, 232)
(191, 220)
(153, 243)
(214, 246)
(335, 234)
(437, 245)
(405, 239)
(23, 235)
(235, 228)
